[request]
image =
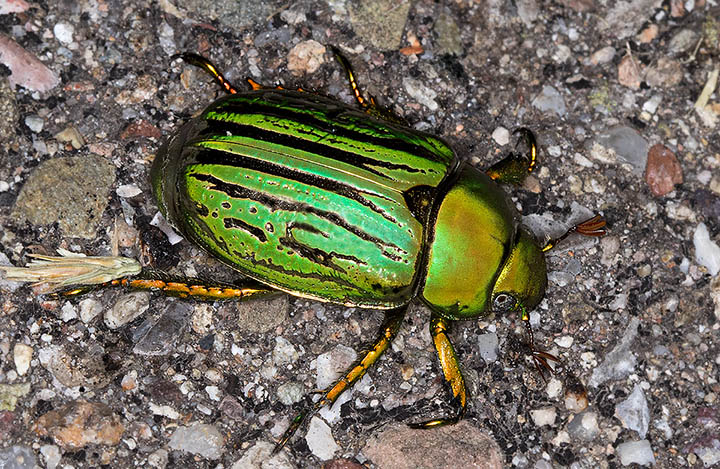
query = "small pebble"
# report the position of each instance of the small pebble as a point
(284, 352)
(89, 309)
(421, 93)
(198, 438)
(127, 308)
(290, 393)
(584, 426)
(22, 354)
(332, 364)
(34, 123)
(620, 361)
(636, 452)
(128, 190)
(488, 346)
(306, 57)
(64, 32)
(707, 252)
(52, 455)
(652, 104)
(550, 100)
(68, 312)
(626, 143)
(565, 341)
(634, 413)
(501, 135)
(663, 171)
(320, 440)
(544, 416)
(602, 56)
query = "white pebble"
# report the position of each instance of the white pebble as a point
(543, 416)
(64, 32)
(565, 341)
(501, 135)
(707, 252)
(22, 354)
(637, 452)
(34, 123)
(320, 440)
(128, 190)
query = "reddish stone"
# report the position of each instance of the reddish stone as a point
(27, 70)
(81, 423)
(663, 170)
(342, 464)
(629, 73)
(580, 6)
(140, 128)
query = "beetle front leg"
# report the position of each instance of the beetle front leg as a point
(388, 331)
(515, 167)
(451, 369)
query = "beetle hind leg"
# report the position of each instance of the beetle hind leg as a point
(388, 331)
(451, 370)
(516, 166)
(71, 275)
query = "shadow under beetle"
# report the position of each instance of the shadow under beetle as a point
(307, 195)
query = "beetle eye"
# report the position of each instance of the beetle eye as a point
(504, 302)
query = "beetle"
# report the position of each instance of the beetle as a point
(308, 195)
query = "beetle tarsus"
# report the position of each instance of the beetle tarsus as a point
(204, 63)
(451, 369)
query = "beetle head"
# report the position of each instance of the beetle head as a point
(522, 278)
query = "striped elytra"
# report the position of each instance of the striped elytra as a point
(306, 194)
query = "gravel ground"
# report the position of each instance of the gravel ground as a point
(621, 96)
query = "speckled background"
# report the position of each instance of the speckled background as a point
(614, 93)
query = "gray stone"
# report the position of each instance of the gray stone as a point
(70, 191)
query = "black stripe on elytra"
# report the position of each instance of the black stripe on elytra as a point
(320, 143)
(290, 107)
(315, 255)
(258, 233)
(274, 203)
(215, 157)
(302, 274)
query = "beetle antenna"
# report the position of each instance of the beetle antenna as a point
(594, 226)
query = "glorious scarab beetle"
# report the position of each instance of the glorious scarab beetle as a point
(307, 195)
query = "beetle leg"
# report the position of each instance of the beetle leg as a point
(388, 331)
(451, 369)
(200, 61)
(71, 275)
(515, 167)
(195, 288)
(368, 105)
(594, 226)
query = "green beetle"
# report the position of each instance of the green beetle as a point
(307, 195)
